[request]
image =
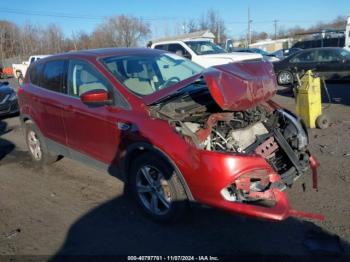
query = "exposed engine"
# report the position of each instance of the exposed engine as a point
(275, 134)
(229, 109)
(278, 136)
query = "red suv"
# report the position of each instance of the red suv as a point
(175, 132)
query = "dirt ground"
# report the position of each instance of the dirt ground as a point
(69, 208)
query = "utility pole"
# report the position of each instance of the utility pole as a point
(249, 40)
(275, 25)
(219, 34)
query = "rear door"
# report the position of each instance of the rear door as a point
(91, 130)
(48, 89)
(304, 61)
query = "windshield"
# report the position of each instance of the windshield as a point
(147, 74)
(205, 47)
(345, 53)
(260, 51)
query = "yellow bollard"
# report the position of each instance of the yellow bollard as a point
(308, 99)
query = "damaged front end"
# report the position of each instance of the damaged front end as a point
(228, 110)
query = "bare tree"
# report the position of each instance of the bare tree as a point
(213, 22)
(191, 26)
(121, 31)
(9, 44)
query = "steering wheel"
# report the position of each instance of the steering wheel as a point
(169, 81)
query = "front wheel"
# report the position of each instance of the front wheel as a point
(18, 74)
(156, 188)
(285, 78)
(20, 80)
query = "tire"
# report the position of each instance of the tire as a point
(322, 122)
(20, 80)
(18, 74)
(285, 78)
(37, 147)
(171, 198)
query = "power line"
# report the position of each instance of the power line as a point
(74, 16)
(50, 14)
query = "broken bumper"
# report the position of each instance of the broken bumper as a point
(240, 172)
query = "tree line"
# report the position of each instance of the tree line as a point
(34, 39)
(119, 31)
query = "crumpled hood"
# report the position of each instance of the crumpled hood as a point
(234, 86)
(234, 56)
(239, 86)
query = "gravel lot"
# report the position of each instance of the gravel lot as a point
(69, 208)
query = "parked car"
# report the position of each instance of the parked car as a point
(266, 55)
(283, 53)
(6, 72)
(332, 63)
(173, 131)
(8, 99)
(204, 52)
(19, 70)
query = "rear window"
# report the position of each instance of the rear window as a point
(35, 74)
(53, 75)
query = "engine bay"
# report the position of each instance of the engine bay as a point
(275, 134)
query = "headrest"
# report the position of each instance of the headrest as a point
(133, 67)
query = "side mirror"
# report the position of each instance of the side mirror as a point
(95, 97)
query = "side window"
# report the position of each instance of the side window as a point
(82, 77)
(32, 60)
(179, 50)
(304, 57)
(161, 47)
(53, 76)
(327, 56)
(35, 74)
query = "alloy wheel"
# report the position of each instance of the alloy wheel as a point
(153, 190)
(285, 77)
(34, 145)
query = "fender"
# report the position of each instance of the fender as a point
(136, 147)
(28, 113)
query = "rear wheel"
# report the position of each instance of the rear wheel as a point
(37, 147)
(156, 188)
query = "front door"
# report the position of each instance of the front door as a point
(91, 130)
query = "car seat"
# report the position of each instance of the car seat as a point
(137, 80)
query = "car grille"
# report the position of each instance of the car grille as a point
(4, 108)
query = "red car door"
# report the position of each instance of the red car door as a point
(90, 130)
(46, 97)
